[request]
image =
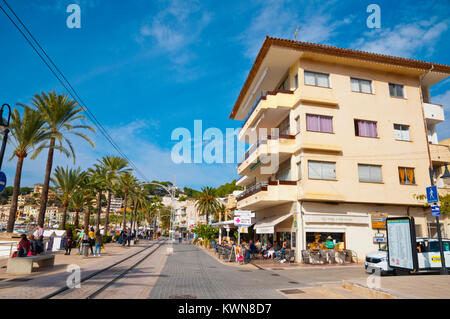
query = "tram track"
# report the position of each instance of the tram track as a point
(129, 262)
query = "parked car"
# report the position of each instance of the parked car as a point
(428, 257)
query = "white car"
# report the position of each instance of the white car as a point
(377, 261)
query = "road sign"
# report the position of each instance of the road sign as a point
(379, 221)
(242, 221)
(379, 240)
(432, 195)
(2, 181)
(243, 230)
(435, 210)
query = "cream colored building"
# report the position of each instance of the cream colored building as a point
(354, 134)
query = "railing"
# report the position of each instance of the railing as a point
(6, 249)
(262, 97)
(252, 190)
(264, 141)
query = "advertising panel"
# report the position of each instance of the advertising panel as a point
(401, 240)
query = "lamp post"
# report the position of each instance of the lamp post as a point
(445, 176)
(4, 125)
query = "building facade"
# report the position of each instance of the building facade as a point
(336, 137)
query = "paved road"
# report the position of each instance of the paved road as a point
(189, 271)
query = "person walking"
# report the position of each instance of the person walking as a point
(85, 241)
(124, 237)
(69, 241)
(80, 241)
(180, 237)
(98, 243)
(92, 240)
(129, 235)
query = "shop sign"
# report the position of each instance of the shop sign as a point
(379, 221)
(265, 230)
(242, 221)
(244, 213)
(379, 240)
(243, 230)
(336, 219)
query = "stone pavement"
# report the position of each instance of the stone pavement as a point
(46, 281)
(425, 286)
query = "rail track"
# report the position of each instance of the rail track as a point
(116, 271)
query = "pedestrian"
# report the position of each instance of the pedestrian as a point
(129, 235)
(69, 241)
(92, 240)
(85, 240)
(124, 237)
(23, 247)
(80, 241)
(98, 243)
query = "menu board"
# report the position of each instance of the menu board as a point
(401, 243)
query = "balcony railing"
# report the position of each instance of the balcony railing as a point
(260, 97)
(254, 147)
(252, 190)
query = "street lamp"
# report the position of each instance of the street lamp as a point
(4, 126)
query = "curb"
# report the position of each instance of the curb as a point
(366, 291)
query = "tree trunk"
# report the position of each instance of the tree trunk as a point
(108, 207)
(134, 218)
(99, 209)
(124, 221)
(87, 214)
(15, 196)
(77, 218)
(64, 216)
(44, 195)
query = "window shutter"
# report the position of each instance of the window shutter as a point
(364, 173)
(366, 86)
(314, 170)
(310, 78)
(355, 85)
(328, 171)
(322, 80)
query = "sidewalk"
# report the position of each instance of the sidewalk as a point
(43, 282)
(428, 286)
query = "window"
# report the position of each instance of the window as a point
(297, 124)
(299, 171)
(285, 84)
(370, 173)
(284, 171)
(283, 128)
(366, 128)
(295, 82)
(432, 233)
(362, 86)
(396, 90)
(401, 132)
(317, 79)
(321, 170)
(319, 123)
(406, 176)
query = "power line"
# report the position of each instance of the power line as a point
(72, 92)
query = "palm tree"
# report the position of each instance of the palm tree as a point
(127, 182)
(67, 181)
(139, 198)
(59, 114)
(98, 182)
(27, 135)
(115, 166)
(77, 201)
(207, 203)
(220, 211)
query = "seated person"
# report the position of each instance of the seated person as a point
(23, 247)
(329, 243)
(276, 246)
(251, 249)
(35, 248)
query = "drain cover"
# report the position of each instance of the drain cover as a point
(276, 275)
(294, 282)
(244, 270)
(277, 268)
(292, 291)
(182, 297)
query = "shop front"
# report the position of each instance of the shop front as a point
(276, 228)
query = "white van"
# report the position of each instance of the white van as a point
(428, 257)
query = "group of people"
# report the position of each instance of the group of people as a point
(266, 249)
(88, 237)
(30, 245)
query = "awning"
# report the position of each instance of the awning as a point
(267, 224)
(224, 224)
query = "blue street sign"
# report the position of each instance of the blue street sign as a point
(432, 195)
(2, 181)
(435, 210)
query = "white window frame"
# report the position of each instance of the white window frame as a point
(402, 137)
(316, 79)
(370, 179)
(322, 171)
(359, 85)
(295, 82)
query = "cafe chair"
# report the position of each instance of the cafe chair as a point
(290, 256)
(306, 257)
(331, 256)
(341, 257)
(323, 256)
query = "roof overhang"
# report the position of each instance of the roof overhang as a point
(277, 55)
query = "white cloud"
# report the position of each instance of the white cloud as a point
(443, 128)
(404, 39)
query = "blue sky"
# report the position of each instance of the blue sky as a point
(147, 67)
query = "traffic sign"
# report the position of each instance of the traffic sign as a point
(2, 181)
(379, 240)
(435, 210)
(432, 195)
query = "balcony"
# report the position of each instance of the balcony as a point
(283, 146)
(317, 141)
(267, 111)
(440, 154)
(434, 113)
(264, 195)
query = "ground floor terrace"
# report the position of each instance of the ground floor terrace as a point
(343, 227)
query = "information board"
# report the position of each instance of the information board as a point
(401, 240)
